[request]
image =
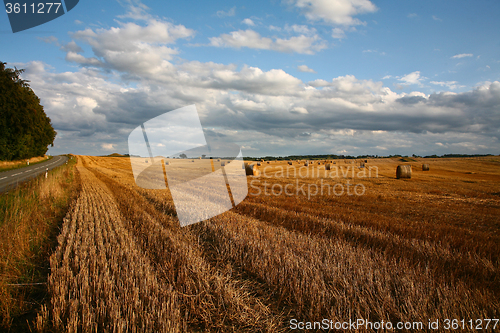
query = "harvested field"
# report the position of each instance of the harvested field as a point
(403, 251)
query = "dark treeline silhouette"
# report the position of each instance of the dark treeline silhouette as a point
(25, 129)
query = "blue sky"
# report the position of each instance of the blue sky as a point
(277, 77)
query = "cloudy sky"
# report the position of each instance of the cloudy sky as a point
(276, 77)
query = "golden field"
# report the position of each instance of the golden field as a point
(406, 250)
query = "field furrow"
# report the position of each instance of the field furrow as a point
(101, 280)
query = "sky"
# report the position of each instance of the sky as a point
(278, 78)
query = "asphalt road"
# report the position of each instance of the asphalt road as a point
(10, 179)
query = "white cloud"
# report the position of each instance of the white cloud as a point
(230, 12)
(249, 22)
(412, 15)
(131, 47)
(252, 39)
(462, 55)
(435, 18)
(107, 146)
(299, 109)
(337, 12)
(412, 78)
(128, 78)
(373, 51)
(338, 33)
(302, 29)
(305, 69)
(449, 84)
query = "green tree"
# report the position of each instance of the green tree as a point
(25, 129)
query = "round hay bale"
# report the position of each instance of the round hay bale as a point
(222, 163)
(403, 171)
(328, 166)
(425, 167)
(306, 164)
(262, 160)
(251, 170)
(290, 162)
(366, 161)
(258, 163)
(319, 163)
(167, 163)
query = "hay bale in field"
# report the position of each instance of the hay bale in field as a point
(167, 163)
(192, 160)
(258, 163)
(403, 171)
(319, 163)
(251, 170)
(146, 161)
(328, 166)
(366, 161)
(262, 160)
(222, 163)
(290, 162)
(425, 167)
(218, 160)
(267, 162)
(306, 164)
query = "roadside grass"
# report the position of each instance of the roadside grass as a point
(11, 165)
(30, 219)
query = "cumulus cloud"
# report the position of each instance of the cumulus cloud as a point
(271, 107)
(412, 78)
(337, 12)
(249, 22)
(131, 47)
(129, 77)
(252, 39)
(305, 69)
